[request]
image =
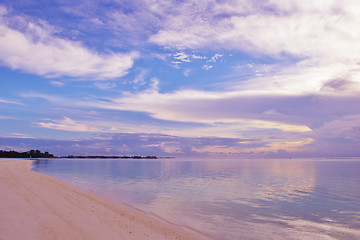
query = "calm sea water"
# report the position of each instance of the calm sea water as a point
(230, 199)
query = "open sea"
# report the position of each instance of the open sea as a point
(285, 199)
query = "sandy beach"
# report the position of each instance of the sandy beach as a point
(36, 206)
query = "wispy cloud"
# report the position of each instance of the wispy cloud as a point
(181, 56)
(215, 57)
(105, 85)
(5, 117)
(37, 50)
(57, 83)
(10, 102)
(67, 124)
(140, 78)
(207, 67)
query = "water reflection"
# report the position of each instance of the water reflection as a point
(228, 198)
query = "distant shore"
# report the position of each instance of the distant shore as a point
(111, 157)
(39, 154)
(36, 206)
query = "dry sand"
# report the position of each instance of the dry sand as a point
(36, 206)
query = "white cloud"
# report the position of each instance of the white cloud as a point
(313, 42)
(272, 27)
(305, 77)
(36, 50)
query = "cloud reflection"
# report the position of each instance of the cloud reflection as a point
(270, 199)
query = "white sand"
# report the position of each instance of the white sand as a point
(36, 206)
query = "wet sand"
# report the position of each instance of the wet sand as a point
(36, 206)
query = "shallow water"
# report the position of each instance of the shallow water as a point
(230, 199)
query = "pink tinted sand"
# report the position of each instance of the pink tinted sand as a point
(36, 206)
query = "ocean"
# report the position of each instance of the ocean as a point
(284, 199)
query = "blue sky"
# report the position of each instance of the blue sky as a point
(266, 78)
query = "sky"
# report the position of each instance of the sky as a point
(198, 78)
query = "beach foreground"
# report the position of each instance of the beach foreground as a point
(36, 206)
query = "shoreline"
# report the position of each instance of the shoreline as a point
(37, 206)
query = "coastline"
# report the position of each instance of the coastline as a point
(37, 206)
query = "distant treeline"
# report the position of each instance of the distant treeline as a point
(114, 157)
(39, 154)
(29, 154)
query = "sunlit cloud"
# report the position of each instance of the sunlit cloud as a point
(208, 108)
(211, 107)
(277, 130)
(20, 135)
(208, 124)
